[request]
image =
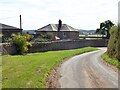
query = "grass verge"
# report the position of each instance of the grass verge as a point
(111, 61)
(30, 71)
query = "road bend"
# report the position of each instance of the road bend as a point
(87, 71)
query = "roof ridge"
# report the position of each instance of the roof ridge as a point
(51, 26)
(54, 27)
(13, 27)
(68, 27)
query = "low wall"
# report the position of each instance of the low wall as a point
(8, 48)
(56, 45)
(65, 45)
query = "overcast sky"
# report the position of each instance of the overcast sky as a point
(80, 14)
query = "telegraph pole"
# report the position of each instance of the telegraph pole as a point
(20, 22)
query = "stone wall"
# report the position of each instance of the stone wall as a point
(56, 45)
(8, 48)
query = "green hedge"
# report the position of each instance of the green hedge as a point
(114, 43)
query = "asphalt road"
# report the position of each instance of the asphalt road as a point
(87, 71)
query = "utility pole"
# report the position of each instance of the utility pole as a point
(20, 22)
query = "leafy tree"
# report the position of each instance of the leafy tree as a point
(100, 31)
(104, 28)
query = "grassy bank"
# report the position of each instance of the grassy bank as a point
(30, 71)
(111, 61)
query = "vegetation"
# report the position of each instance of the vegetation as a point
(118, 43)
(104, 28)
(114, 43)
(21, 42)
(43, 38)
(113, 49)
(1, 34)
(30, 71)
(112, 61)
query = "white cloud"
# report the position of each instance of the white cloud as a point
(86, 14)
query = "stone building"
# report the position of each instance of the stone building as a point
(7, 30)
(62, 31)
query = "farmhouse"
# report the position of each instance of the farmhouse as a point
(62, 31)
(7, 30)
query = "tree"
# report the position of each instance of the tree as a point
(99, 31)
(104, 28)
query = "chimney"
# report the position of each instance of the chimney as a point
(59, 25)
(20, 22)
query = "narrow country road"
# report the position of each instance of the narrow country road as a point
(87, 71)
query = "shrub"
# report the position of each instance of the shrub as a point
(28, 36)
(21, 42)
(43, 38)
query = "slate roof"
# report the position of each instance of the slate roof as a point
(6, 27)
(54, 27)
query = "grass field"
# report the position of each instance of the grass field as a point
(111, 61)
(30, 71)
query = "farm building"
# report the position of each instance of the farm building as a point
(7, 30)
(62, 31)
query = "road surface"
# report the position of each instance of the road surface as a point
(87, 71)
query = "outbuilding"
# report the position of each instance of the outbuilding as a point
(62, 31)
(7, 30)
